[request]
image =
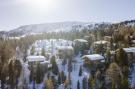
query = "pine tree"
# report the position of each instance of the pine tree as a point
(31, 74)
(39, 74)
(59, 79)
(78, 85)
(122, 59)
(32, 51)
(80, 71)
(43, 52)
(63, 77)
(6, 52)
(111, 43)
(15, 69)
(114, 74)
(11, 74)
(89, 82)
(54, 66)
(69, 65)
(25, 55)
(84, 83)
(108, 55)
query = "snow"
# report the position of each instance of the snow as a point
(93, 57)
(81, 40)
(36, 58)
(75, 72)
(133, 76)
(53, 27)
(101, 42)
(54, 45)
(24, 77)
(17, 38)
(127, 50)
(64, 47)
(130, 50)
(49, 46)
(107, 37)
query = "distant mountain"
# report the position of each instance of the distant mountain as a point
(46, 27)
(61, 26)
(52, 27)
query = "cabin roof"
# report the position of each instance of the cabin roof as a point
(64, 47)
(129, 50)
(81, 40)
(36, 58)
(93, 57)
(101, 42)
(108, 36)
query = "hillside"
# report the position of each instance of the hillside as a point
(62, 26)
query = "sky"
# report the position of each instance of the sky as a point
(15, 13)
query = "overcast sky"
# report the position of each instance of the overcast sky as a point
(14, 13)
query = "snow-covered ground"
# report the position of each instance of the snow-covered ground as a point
(133, 76)
(75, 72)
(50, 47)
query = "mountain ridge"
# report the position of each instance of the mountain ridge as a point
(61, 26)
(50, 27)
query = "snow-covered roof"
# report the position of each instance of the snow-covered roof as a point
(93, 57)
(101, 42)
(64, 47)
(45, 62)
(81, 40)
(129, 50)
(35, 58)
(17, 38)
(108, 36)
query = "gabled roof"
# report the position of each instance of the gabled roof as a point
(64, 47)
(36, 58)
(93, 57)
(129, 50)
(101, 42)
(81, 40)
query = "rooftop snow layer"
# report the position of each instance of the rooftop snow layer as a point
(101, 42)
(36, 58)
(93, 57)
(81, 40)
(64, 47)
(130, 50)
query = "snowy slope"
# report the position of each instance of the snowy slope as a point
(54, 27)
(46, 27)
(62, 26)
